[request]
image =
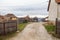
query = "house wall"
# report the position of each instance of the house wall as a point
(58, 11)
(53, 11)
(21, 20)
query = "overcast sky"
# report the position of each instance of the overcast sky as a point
(24, 7)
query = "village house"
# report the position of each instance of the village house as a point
(54, 10)
(8, 23)
(10, 16)
(2, 18)
(28, 19)
(21, 20)
(54, 14)
(24, 19)
(35, 19)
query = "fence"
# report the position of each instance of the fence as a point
(8, 27)
(58, 27)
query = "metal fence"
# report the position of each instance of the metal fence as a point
(8, 27)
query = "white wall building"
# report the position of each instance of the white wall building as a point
(54, 10)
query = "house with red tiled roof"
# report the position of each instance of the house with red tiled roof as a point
(54, 10)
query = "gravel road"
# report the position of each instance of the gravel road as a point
(33, 31)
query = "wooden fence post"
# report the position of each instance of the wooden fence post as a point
(56, 25)
(16, 25)
(4, 28)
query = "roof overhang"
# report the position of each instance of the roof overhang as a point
(49, 5)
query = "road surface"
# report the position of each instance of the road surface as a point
(34, 31)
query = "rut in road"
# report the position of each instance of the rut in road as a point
(34, 31)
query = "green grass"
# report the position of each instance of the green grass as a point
(50, 28)
(21, 26)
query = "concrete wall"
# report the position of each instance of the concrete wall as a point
(53, 11)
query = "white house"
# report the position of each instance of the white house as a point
(54, 10)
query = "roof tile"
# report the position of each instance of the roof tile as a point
(58, 1)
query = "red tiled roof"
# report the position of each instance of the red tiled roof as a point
(58, 1)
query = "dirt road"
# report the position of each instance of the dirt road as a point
(34, 31)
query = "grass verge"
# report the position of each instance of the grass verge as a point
(22, 26)
(50, 28)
